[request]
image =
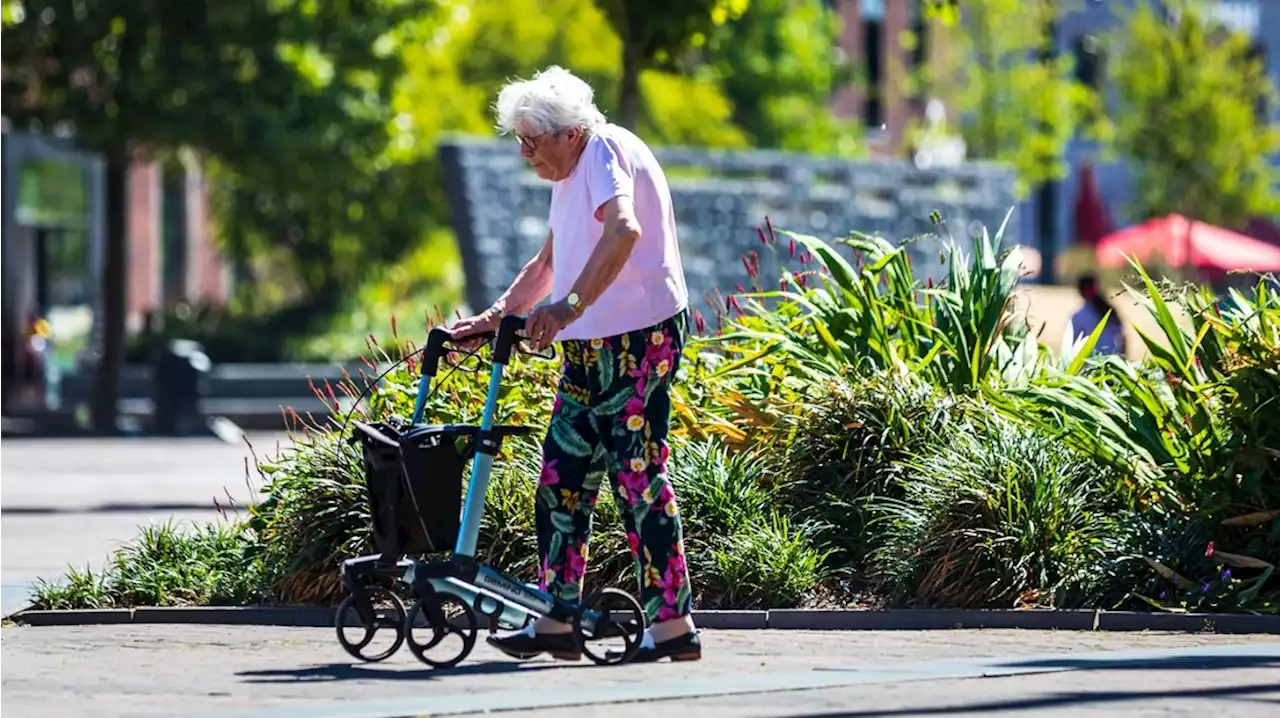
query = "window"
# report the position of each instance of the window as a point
(1258, 53)
(173, 254)
(1089, 61)
(873, 34)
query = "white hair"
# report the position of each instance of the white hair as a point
(554, 100)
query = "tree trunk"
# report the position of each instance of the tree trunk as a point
(629, 99)
(113, 284)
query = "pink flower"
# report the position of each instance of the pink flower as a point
(634, 484)
(633, 540)
(676, 566)
(635, 406)
(550, 476)
(655, 355)
(574, 564)
(667, 613)
(665, 496)
(559, 401)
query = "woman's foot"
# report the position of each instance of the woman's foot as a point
(685, 647)
(529, 643)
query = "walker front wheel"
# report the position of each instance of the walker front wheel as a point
(620, 622)
(370, 610)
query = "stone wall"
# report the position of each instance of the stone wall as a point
(500, 208)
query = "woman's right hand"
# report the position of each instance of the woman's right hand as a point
(485, 322)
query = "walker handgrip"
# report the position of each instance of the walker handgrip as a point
(508, 335)
(435, 349)
(436, 342)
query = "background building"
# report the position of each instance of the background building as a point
(870, 40)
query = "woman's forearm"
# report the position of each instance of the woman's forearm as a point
(530, 286)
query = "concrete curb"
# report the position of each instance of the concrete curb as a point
(778, 619)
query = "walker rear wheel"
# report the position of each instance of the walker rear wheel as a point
(449, 620)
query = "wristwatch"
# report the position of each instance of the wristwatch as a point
(575, 302)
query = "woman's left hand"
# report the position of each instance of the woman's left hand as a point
(546, 322)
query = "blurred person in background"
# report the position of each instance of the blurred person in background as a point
(619, 309)
(1087, 318)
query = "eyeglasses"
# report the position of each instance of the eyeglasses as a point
(531, 142)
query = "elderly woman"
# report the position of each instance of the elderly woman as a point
(619, 309)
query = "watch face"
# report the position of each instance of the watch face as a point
(573, 299)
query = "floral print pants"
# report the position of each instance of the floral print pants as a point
(611, 416)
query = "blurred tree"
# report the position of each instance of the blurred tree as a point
(656, 33)
(778, 65)
(283, 91)
(1015, 100)
(1192, 116)
(480, 44)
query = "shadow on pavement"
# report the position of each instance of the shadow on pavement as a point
(126, 508)
(1060, 700)
(352, 672)
(1171, 663)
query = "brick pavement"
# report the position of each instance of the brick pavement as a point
(206, 670)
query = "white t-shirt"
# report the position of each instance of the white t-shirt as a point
(650, 288)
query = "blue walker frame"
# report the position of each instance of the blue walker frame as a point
(459, 579)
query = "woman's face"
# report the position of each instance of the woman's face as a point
(551, 155)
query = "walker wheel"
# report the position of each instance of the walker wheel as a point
(445, 616)
(368, 610)
(620, 621)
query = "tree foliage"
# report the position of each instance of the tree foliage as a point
(1015, 103)
(777, 64)
(1191, 113)
(250, 83)
(656, 33)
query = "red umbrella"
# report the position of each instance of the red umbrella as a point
(1182, 242)
(1092, 222)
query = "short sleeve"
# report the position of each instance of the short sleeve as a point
(608, 175)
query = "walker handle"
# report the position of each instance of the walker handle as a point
(508, 335)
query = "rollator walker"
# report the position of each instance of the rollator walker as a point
(414, 478)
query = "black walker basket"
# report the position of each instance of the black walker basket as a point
(415, 485)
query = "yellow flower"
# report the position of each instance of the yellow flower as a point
(671, 509)
(635, 422)
(656, 338)
(569, 499)
(651, 576)
(638, 464)
(597, 343)
(664, 366)
(648, 496)
(549, 577)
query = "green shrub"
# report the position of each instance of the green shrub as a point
(207, 564)
(314, 513)
(766, 561)
(831, 315)
(997, 516)
(847, 450)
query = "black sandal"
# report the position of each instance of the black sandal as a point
(528, 644)
(681, 648)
